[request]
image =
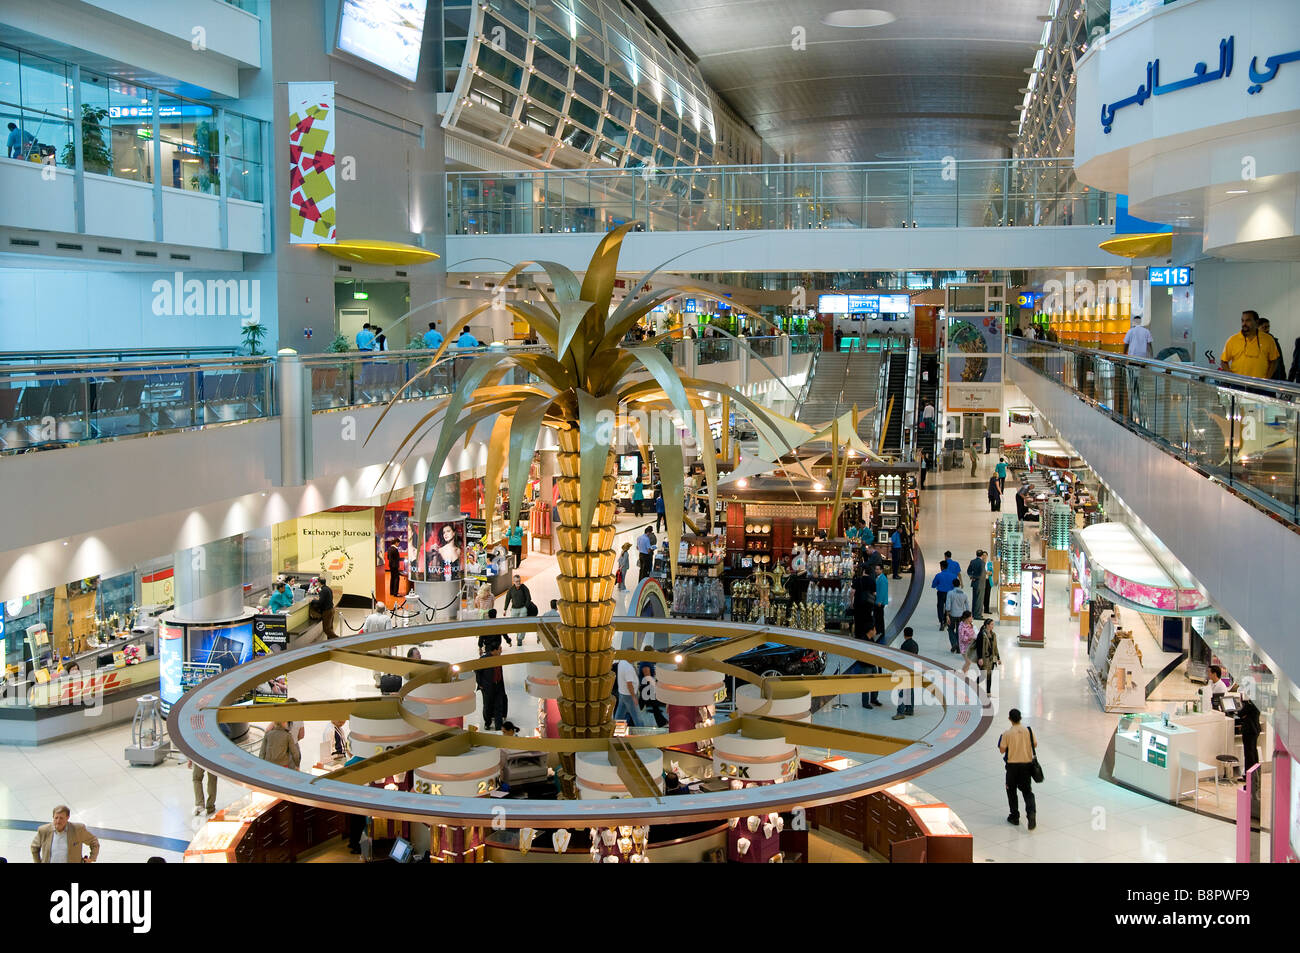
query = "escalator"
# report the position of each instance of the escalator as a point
(928, 392)
(891, 441)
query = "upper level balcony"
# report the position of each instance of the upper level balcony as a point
(842, 216)
(96, 155)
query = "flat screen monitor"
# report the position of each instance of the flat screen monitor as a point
(386, 33)
(401, 851)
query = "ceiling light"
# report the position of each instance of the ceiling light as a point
(858, 19)
(1238, 191)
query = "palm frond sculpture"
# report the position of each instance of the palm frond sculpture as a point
(583, 382)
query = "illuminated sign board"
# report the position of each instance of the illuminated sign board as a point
(1169, 277)
(863, 304)
(387, 33)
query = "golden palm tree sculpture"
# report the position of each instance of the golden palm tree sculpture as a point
(587, 377)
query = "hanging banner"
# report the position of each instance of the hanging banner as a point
(311, 164)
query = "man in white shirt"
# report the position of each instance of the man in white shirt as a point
(627, 708)
(1138, 341)
(379, 620)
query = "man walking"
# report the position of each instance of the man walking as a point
(975, 570)
(660, 519)
(905, 696)
(958, 604)
(645, 547)
(1017, 745)
(627, 709)
(196, 774)
(942, 585)
(1002, 474)
(61, 842)
(517, 599)
(974, 458)
(491, 683)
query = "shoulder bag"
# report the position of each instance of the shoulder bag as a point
(1035, 769)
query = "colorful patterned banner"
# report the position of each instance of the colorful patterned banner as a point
(312, 201)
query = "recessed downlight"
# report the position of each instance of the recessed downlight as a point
(858, 19)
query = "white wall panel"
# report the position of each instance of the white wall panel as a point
(117, 208)
(810, 249)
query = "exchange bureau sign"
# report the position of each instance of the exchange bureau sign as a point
(1200, 74)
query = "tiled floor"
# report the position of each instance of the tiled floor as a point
(1080, 816)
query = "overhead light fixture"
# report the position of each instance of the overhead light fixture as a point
(858, 19)
(1238, 191)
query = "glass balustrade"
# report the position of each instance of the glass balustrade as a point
(1242, 431)
(44, 406)
(969, 193)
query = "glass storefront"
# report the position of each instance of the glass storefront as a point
(40, 96)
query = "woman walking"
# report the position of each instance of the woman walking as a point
(995, 495)
(638, 497)
(987, 658)
(965, 639)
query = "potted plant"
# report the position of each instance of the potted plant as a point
(252, 332)
(96, 155)
(339, 345)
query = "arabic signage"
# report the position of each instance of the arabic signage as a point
(1258, 75)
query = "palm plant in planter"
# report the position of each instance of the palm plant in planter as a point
(587, 377)
(96, 153)
(252, 334)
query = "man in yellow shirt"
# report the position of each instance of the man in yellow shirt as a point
(1248, 352)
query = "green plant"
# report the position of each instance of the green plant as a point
(206, 139)
(252, 335)
(339, 345)
(96, 155)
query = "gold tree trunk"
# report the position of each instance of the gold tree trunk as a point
(586, 653)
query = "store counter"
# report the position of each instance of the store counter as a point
(260, 829)
(1147, 750)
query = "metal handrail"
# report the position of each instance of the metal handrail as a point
(1243, 432)
(1258, 386)
(106, 354)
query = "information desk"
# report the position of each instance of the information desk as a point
(260, 829)
(1147, 750)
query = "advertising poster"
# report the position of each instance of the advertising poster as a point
(442, 555)
(312, 147)
(975, 334)
(270, 633)
(974, 398)
(171, 660)
(394, 538)
(974, 370)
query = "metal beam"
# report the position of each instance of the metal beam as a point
(788, 686)
(391, 664)
(824, 736)
(631, 769)
(387, 706)
(405, 757)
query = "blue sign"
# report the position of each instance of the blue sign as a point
(1169, 277)
(690, 305)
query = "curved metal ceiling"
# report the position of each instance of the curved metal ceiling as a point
(942, 79)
